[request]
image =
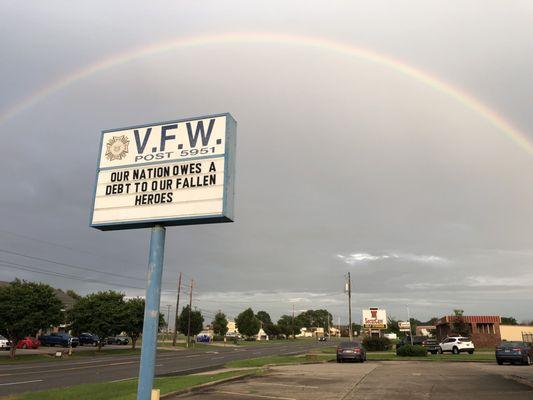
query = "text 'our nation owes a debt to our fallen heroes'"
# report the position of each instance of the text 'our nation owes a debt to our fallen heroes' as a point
(164, 178)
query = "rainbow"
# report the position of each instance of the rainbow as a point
(458, 95)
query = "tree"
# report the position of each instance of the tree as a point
(285, 325)
(220, 324)
(264, 317)
(459, 324)
(25, 308)
(134, 319)
(247, 323)
(509, 321)
(266, 323)
(101, 313)
(314, 318)
(73, 294)
(197, 321)
(392, 326)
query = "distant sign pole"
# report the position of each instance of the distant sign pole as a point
(178, 172)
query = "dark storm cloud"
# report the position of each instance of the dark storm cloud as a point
(343, 165)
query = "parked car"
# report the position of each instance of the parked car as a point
(124, 340)
(89, 338)
(28, 343)
(514, 352)
(456, 345)
(431, 345)
(59, 339)
(203, 338)
(351, 351)
(4, 343)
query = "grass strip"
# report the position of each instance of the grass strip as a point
(124, 390)
(278, 360)
(435, 357)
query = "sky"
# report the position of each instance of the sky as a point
(345, 163)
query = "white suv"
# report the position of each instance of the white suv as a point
(457, 345)
(4, 343)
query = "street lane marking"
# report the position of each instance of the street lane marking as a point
(257, 352)
(217, 358)
(67, 369)
(254, 395)
(121, 380)
(20, 383)
(194, 355)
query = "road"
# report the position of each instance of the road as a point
(384, 380)
(17, 378)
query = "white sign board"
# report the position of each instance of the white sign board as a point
(374, 318)
(172, 173)
(405, 326)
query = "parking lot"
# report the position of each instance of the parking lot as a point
(381, 380)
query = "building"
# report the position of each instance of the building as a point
(425, 330)
(516, 333)
(484, 330)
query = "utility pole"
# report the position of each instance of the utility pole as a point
(293, 321)
(409, 319)
(168, 319)
(350, 307)
(177, 313)
(190, 312)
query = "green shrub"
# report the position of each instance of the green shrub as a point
(408, 350)
(377, 344)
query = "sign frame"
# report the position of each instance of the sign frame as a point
(227, 214)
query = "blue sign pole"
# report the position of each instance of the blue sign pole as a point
(151, 313)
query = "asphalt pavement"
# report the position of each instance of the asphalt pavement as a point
(23, 377)
(384, 380)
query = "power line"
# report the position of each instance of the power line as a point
(43, 271)
(63, 246)
(69, 265)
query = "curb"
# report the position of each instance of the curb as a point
(198, 388)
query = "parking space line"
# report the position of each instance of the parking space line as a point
(253, 395)
(284, 384)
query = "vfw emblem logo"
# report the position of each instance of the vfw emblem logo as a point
(374, 313)
(117, 148)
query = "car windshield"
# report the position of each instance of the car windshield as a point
(464, 339)
(349, 345)
(512, 344)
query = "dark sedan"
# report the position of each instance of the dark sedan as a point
(514, 352)
(123, 340)
(351, 351)
(89, 338)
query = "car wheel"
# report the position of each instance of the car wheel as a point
(500, 362)
(455, 350)
(470, 351)
(439, 350)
